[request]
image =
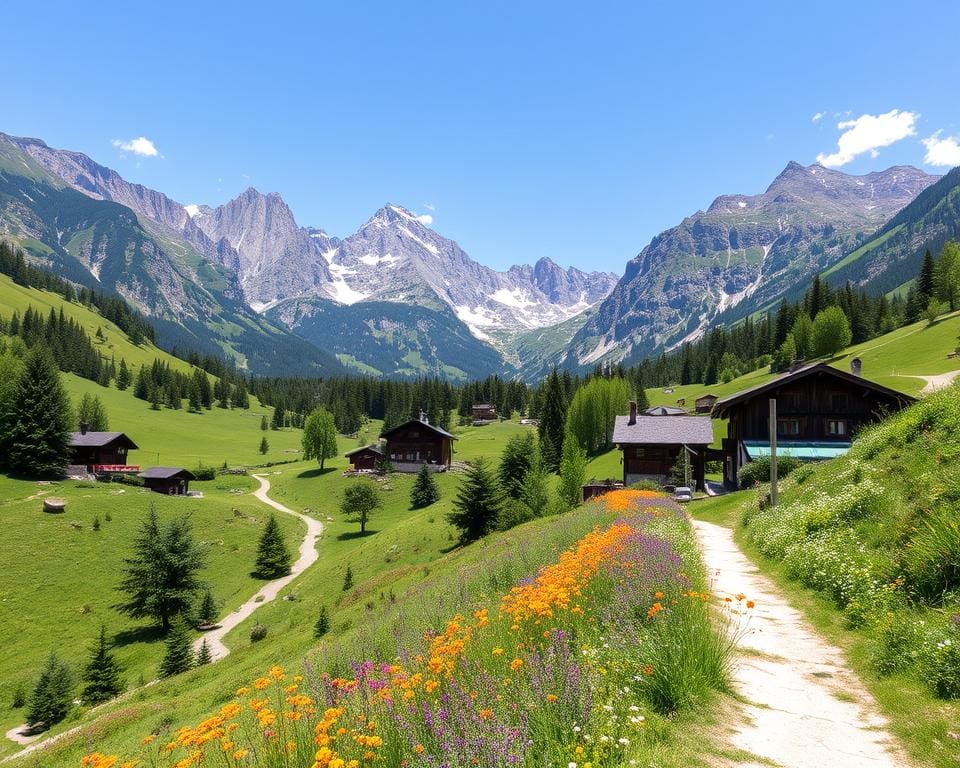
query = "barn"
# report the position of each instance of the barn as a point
(173, 481)
(417, 442)
(819, 409)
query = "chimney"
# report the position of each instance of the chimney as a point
(856, 366)
(84, 427)
(423, 417)
(633, 413)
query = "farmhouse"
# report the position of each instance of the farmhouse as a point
(418, 442)
(173, 481)
(652, 445)
(819, 408)
(483, 412)
(364, 459)
(101, 451)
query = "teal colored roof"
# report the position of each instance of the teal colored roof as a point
(800, 449)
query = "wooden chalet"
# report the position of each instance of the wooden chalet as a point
(418, 442)
(483, 412)
(596, 488)
(705, 403)
(652, 445)
(104, 452)
(364, 459)
(819, 409)
(173, 481)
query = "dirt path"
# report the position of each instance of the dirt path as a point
(804, 707)
(934, 383)
(214, 637)
(270, 590)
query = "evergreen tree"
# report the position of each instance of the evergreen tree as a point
(264, 445)
(52, 696)
(194, 396)
(323, 623)
(178, 656)
(207, 612)
(926, 280)
(573, 472)
(425, 491)
(278, 417)
(263, 423)
(320, 436)
(161, 578)
(831, 332)
(92, 413)
(273, 557)
(38, 427)
(123, 376)
(478, 503)
(102, 674)
(348, 579)
(535, 492)
(639, 391)
(553, 418)
(203, 655)
(515, 462)
(361, 499)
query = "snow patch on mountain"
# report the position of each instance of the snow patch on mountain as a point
(193, 210)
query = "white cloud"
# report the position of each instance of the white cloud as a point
(430, 206)
(426, 219)
(944, 151)
(141, 146)
(818, 117)
(868, 133)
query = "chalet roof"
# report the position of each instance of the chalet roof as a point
(708, 396)
(418, 423)
(722, 406)
(100, 440)
(663, 430)
(372, 448)
(665, 410)
(166, 473)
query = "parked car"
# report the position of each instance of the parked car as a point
(682, 494)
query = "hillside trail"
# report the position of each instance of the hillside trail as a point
(803, 707)
(269, 591)
(308, 555)
(935, 383)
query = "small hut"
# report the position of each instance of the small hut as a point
(705, 403)
(484, 412)
(365, 459)
(173, 481)
(101, 451)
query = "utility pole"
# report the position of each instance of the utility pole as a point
(773, 452)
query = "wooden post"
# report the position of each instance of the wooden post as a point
(773, 452)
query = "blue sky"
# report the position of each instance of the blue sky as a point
(572, 131)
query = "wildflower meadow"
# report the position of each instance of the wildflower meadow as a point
(568, 668)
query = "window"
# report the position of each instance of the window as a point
(837, 427)
(839, 401)
(788, 427)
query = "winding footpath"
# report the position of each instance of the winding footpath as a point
(214, 637)
(803, 705)
(937, 382)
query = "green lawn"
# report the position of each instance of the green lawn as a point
(59, 574)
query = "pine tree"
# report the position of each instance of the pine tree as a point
(323, 623)
(203, 655)
(320, 436)
(573, 472)
(478, 503)
(123, 376)
(361, 499)
(52, 696)
(425, 491)
(102, 674)
(38, 429)
(926, 280)
(196, 402)
(264, 426)
(515, 462)
(278, 417)
(161, 578)
(207, 612)
(92, 413)
(264, 445)
(273, 557)
(348, 579)
(178, 656)
(553, 418)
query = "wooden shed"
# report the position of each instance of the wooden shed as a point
(365, 459)
(705, 403)
(173, 481)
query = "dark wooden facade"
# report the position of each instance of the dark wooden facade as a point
(599, 487)
(483, 412)
(172, 481)
(705, 403)
(815, 404)
(101, 451)
(418, 442)
(365, 459)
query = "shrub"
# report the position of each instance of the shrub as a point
(258, 633)
(205, 473)
(348, 579)
(758, 470)
(898, 639)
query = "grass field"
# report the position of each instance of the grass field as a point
(59, 573)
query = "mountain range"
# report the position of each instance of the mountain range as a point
(397, 298)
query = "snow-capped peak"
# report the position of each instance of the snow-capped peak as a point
(192, 210)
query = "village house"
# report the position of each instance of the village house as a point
(653, 445)
(819, 409)
(365, 459)
(418, 442)
(173, 481)
(101, 451)
(483, 412)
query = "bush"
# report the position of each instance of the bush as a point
(204, 473)
(943, 663)
(898, 641)
(758, 470)
(258, 633)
